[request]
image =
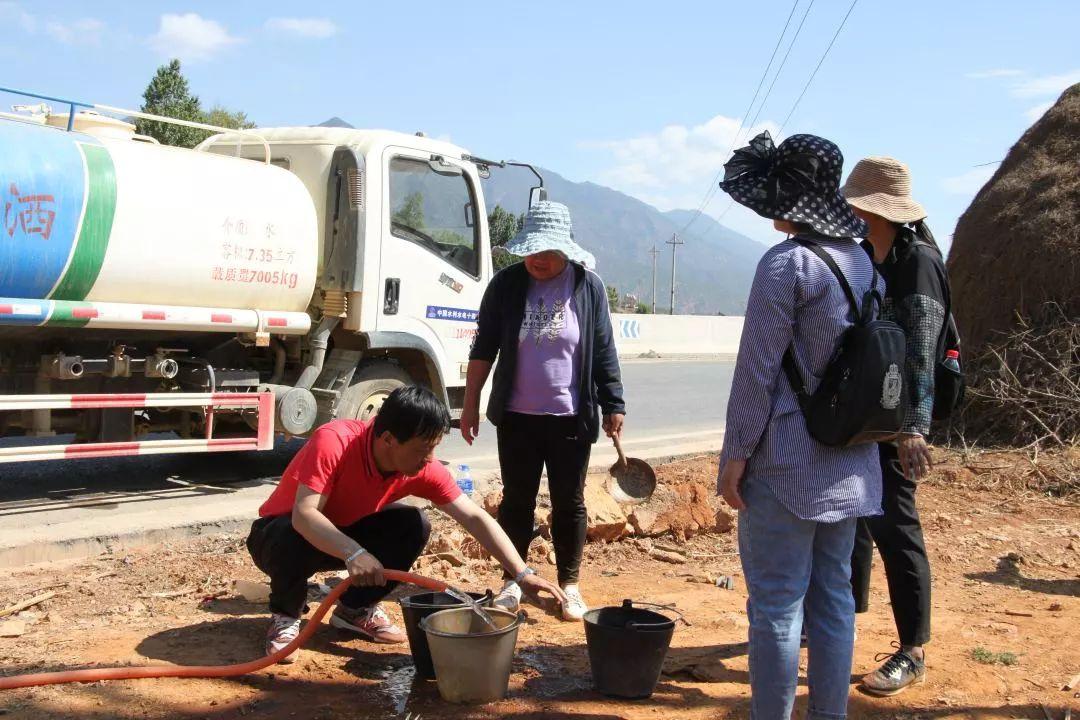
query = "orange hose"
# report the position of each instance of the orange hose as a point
(207, 671)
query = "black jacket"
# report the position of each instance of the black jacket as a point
(501, 313)
(916, 298)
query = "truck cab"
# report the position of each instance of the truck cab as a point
(404, 256)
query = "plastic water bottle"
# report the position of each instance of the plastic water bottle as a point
(464, 479)
(952, 360)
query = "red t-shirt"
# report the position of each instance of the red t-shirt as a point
(338, 462)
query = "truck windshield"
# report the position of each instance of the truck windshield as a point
(434, 211)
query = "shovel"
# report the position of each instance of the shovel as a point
(633, 481)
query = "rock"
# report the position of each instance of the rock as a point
(697, 578)
(255, 592)
(668, 557)
(449, 542)
(607, 522)
(551, 558)
(472, 549)
(453, 557)
(725, 521)
(540, 549)
(958, 476)
(12, 628)
(642, 520)
(491, 502)
(543, 522)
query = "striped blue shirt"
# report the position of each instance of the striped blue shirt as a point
(795, 297)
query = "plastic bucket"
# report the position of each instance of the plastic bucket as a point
(627, 647)
(472, 661)
(415, 608)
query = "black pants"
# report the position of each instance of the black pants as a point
(526, 444)
(899, 539)
(395, 536)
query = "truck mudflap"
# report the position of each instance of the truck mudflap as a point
(262, 402)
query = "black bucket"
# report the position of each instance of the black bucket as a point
(417, 607)
(627, 647)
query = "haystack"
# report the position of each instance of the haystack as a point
(1017, 246)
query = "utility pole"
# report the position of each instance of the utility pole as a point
(654, 252)
(674, 242)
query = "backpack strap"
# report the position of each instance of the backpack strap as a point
(791, 367)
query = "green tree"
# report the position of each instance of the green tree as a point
(411, 212)
(613, 298)
(502, 227)
(223, 117)
(168, 94)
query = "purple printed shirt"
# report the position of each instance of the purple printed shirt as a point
(547, 376)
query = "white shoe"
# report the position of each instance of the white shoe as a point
(575, 607)
(509, 598)
(282, 631)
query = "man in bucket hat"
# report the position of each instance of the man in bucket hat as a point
(798, 500)
(546, 319)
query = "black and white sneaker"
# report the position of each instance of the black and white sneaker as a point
(899, 672)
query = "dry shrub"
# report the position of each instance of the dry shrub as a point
(1024, 390)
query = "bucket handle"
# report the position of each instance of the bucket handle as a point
(670, 608)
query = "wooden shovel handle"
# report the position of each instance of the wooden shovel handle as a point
(618, 449)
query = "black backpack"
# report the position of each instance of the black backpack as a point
(860, 397)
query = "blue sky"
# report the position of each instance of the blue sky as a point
(644, 97)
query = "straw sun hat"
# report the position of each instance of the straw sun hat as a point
(882, 185)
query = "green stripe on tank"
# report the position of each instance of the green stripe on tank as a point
(63, 314)
(82, 272)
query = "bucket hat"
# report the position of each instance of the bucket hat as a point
(882, 185)
(547, 227)
(798, 181)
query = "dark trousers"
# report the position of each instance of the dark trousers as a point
(528, 443)
(899, 539)
(395, 536)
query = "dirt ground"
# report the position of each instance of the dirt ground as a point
(1006, 580)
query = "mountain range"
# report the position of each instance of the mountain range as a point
(713, 269)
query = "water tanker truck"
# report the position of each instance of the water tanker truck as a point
(157, 299)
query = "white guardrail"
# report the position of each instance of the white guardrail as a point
(676, 334)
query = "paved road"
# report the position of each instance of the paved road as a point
(674, 407)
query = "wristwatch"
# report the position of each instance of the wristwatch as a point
(521, 575)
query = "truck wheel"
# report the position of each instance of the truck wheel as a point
(370, 387)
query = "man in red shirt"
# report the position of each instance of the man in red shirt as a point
(337, 503)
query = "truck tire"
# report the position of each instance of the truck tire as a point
(371, 385)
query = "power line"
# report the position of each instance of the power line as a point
(780, 69)
(710, 191)
(822, 60)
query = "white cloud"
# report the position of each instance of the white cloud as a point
(14, 12)
(997, 73)
(675, 166)
(1046, 85)
(970, 182)
(87, 31)
(191, 37)
(1033, 114)
(304, 27)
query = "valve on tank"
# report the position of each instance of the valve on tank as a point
(161, 366)
(62, 367)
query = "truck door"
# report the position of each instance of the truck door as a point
(434, 263)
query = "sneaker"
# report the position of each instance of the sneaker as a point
(899, 672)
(509, 598)
(574, 608)
(282, 631)
(372, 623)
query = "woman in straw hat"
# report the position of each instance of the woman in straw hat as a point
(547, 321)
(798, 500)
(904, 252)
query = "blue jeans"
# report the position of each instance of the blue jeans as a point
(790, 564)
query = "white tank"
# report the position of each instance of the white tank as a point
(108, 219)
